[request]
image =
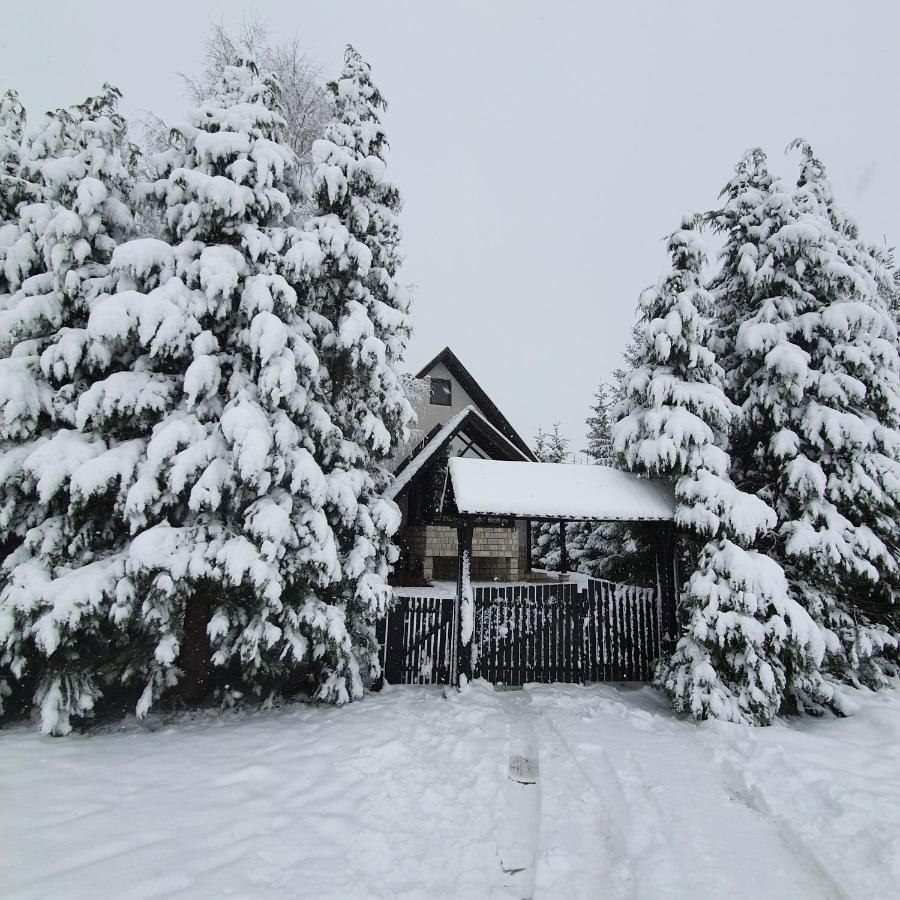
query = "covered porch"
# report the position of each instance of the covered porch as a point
(573, 628)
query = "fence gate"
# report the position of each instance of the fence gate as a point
(621, 632)
(529, 633)
(417, 638)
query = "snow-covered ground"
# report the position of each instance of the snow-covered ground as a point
(650, 806)
(406, 795)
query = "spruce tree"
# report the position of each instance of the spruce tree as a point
(739, 623)
(592, 544)
(818, 383)
(745, 222)
(344, 264)
(631, 358)
(599, 436)
(186, 526)
(12, 126)
(54, 631)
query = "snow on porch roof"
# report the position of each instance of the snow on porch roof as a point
(529, 490)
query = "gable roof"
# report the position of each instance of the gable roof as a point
(487, 406)
(558, 491)
(439, 439)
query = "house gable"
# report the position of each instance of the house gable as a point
(434, 414)
(464, 391)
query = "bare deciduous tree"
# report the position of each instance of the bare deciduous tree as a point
(304, 103)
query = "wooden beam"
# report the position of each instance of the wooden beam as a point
(465, 604)
(528, 545)
(491, 518)
(563, 550)
(667, 580)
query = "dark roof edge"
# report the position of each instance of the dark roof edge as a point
(413, 464)
(490, 409)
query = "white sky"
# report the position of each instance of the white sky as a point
(543, 149)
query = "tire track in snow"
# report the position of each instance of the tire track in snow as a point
(629, 827)
(517, 839)
(672, 827)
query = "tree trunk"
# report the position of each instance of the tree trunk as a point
(195, 648)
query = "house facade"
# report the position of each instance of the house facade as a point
(456, 419)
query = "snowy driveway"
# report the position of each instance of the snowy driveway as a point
(406, 795)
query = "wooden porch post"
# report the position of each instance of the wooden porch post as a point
(465, 604)
(563, 550)
(527, 546)
(668, 584)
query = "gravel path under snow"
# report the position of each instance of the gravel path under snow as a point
(406, 795)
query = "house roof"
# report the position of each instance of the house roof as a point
(469, 417)
(529, 490)
(487, 406)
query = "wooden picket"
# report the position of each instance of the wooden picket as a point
(528, 633)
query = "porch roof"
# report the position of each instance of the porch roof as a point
(527, 490)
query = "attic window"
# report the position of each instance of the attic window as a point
(441, 393)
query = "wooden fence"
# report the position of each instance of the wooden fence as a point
(621, 632)
(528, 633)
(418, 637)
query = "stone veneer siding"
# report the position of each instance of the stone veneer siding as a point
(496, 550)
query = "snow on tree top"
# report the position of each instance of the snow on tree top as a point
(558, 490)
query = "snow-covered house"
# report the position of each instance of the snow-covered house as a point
(456, 418)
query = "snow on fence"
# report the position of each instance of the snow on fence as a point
(528, 632)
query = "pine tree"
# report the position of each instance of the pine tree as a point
(53, 630)
(345, 264)
(549, 447)
(739, 623)
(818, 384)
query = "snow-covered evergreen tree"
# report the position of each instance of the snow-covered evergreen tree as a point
(53, 627)
(344, 264)
(816, 376)
(745, 222)
(631, 358)
(591, 545)
(192, 453)
(549, 447)
(303, 102)
(740, 625)
(12, 126)
(599, 434)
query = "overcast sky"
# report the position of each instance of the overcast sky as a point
(544, 149)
